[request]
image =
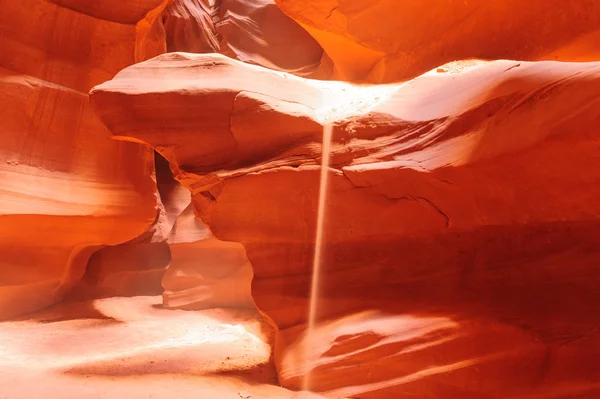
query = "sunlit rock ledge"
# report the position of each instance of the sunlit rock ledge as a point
(461, 227)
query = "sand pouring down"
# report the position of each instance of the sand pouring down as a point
(318, 256)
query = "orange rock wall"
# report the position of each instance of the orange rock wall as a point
(67, 188)
(389, 40)
(460, 229)
(460, 250)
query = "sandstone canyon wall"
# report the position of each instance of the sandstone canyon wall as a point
(67, 188)
(461, 228)
(390, 40)
(253, 31)
(460, 232)
(81, 211)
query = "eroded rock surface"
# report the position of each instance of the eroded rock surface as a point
(389, 40)
(461, 229)
(253, 31)
(67, 188)
(137, 266)
(205, 272)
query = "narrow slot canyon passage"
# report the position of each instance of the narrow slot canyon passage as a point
(299, 199)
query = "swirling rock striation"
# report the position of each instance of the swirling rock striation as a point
(388, 40)
(253, 31)
(67, 188)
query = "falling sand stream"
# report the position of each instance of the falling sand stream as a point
(318, 253)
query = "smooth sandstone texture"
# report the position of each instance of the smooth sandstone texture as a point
(137, 266)
(205, 272)
(253, 31)
(389, 40)
(67, 188)
(460, 233)
(111, 10)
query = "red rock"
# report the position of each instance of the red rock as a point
(67, 188)
(460, 231)
(389, 40)
(206, 273)
(253, 31)
(461, 227)
(111, 10)
(137, 267)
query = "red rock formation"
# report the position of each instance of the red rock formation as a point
(137, 266)
(253, 31)
(461, 228)
(107, 190)
(390, 40)
(204, 272)
(460, 254)
(67, 188)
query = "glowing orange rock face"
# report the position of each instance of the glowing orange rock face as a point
(67, 188)
(461, 229)
(461, 245)
(390, 40)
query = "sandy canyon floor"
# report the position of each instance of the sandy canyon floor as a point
(131, 348)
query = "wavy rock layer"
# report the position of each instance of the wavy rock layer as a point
(137, 266)
(389, 40)
(253, 31)
(461, 230)
(67, 188)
